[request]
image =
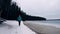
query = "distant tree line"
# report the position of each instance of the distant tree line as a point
(11, 11)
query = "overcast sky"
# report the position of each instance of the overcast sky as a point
(44, 8)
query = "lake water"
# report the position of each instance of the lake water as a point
(51, 21)
(57, 22)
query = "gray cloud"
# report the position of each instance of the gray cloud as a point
(44, 8)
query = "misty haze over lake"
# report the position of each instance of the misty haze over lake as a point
(49, 9)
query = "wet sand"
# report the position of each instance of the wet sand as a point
(43, 28)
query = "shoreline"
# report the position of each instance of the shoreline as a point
(46, 28)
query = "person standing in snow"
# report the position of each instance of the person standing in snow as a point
(10, 11)
(19, 19)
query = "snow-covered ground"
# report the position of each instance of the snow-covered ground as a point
(11, 27)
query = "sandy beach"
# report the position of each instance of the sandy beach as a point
(43, 28)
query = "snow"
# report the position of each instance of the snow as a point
(11, 27)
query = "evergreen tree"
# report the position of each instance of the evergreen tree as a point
(11, 11)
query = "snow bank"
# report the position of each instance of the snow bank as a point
(11, 27)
